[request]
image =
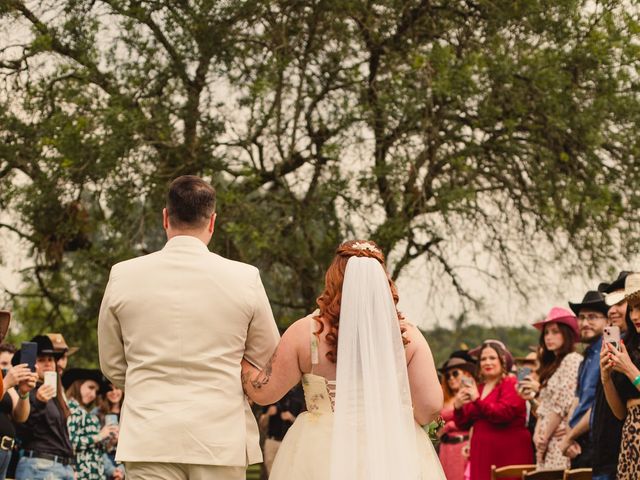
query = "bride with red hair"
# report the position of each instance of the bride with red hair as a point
(368, 376)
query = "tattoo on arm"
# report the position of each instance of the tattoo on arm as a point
(262, 378)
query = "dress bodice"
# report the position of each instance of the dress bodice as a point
(318, 394)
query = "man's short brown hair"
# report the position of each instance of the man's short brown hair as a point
(190, 202)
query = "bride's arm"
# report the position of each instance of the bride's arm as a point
(281, 373)
(426, 392)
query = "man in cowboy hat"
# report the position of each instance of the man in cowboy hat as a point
(592, 318)
(173, 328)
(60, 345)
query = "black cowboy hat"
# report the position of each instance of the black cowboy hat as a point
(593, 300)
(45, 348)
(75, 374)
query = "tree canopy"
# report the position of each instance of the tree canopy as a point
(424, 125)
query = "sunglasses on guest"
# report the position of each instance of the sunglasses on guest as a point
(452, 374)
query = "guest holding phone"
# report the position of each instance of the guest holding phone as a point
(557, 375)
(458, 370)
(108, 411)
(47, 452)
(88, 439)
(14, 406)
(496, 413)
(620, 374)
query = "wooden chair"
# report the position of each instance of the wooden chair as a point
(510, 471)
(544, 475)
(578, 474)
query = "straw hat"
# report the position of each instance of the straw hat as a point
(632, 287)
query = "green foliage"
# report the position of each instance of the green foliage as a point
(421, 125)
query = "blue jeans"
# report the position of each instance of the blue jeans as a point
(604, 476)
(5, 458)
(42, 469)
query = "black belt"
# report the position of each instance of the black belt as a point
(50, 456)
(452, 439)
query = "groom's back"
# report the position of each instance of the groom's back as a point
(185, 317)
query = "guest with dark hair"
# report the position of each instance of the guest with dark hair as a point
(606, 429)
(458, 368)
(88, 439)
(557, 375)
(620, 372)
(110, 407)
(14, 406)
(47, 451)
(496, 413)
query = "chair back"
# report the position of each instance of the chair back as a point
(544, 475)
(578, 474)
(510, 471)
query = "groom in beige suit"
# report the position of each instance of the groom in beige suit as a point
(173, 328)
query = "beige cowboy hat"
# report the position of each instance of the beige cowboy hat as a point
(60, 344)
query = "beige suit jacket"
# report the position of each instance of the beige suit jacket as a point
(173, 328)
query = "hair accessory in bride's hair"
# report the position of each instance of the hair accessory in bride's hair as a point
(365, 246)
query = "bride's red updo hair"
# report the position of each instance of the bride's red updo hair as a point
(329, 301)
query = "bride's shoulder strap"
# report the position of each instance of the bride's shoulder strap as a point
(314, 340)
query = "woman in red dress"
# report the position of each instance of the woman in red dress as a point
(452, 439)
(496, 413)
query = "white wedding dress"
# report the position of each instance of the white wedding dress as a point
(368, 432)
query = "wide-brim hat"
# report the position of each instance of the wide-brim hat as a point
(561, 315)
(462, 360)
(632, 287)
(45, 348)
(614, 291)
(593, 300)
(5, 320)
(60, 344)
(75, 374)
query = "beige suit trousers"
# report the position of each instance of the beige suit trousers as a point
(182, 471)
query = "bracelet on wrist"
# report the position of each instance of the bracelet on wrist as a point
(21, 396)
(636, 381)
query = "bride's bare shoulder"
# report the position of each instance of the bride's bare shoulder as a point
(304, 326)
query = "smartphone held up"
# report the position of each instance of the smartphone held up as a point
(612, 335)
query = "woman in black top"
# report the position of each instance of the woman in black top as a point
(14, 405)
(46, 448)
(620, 372)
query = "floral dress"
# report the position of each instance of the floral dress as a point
(556, 397)
(83, 428)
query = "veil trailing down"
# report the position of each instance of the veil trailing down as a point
(362, 425)
(373, 434)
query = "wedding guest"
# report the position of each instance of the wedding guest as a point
(14, 406)
(621, 382)
(557, 375)
(88, 439)
(110, 403)
(44, 435)
(592, 318)
(496, 413)
(60, 345)
(606, 429)
(453, 440)
(6, 354)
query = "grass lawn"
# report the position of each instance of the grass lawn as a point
(253, 472)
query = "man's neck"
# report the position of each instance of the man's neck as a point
(203, 236)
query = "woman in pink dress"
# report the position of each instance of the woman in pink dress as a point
(496, 413)
(452, 439)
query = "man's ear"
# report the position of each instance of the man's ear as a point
(165, 218)
(212, 222)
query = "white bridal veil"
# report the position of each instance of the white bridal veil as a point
(374, 433)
